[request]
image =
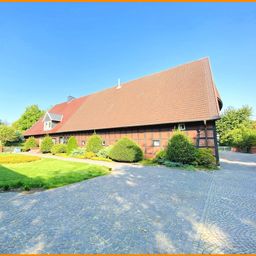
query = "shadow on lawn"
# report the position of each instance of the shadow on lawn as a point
(11, 179)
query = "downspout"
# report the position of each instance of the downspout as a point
(216, 145)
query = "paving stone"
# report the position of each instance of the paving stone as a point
(138, 210)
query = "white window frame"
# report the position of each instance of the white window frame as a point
(47, 125)
(182, 127)
(156, 143)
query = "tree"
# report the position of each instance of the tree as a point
(46, 144)
(7, 134)
(30, 144)
(28, 118)
(94, 143)
(232, 119)
(243, 138)
(71, 145)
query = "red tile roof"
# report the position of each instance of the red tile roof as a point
(181, 94)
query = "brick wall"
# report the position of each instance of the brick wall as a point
(145, 136)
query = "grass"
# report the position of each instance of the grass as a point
(47, 173)
(148, 162)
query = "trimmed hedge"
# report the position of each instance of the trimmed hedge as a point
(94, 143)
(29, 144)
(71, 145)
(126, 150)
(204, 157)
(46, 144)
(59, 148)
(180, 149)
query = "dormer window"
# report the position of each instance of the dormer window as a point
(51, 120)
(47, 125)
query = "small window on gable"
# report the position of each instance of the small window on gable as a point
(182, 127)
(156, 143)
(47, 125)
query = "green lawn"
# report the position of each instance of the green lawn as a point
(47, 173)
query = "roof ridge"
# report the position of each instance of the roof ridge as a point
(162, 71)
(142, 77)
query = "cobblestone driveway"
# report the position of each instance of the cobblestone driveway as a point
(138, 210)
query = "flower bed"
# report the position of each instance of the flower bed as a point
(15, 159)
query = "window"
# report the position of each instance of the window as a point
(83, 142)
(47, 125)
(66, 140)
(63, 140)
(181, 127)
(103, 143)
(156, 143)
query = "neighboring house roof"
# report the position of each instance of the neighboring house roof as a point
(182, 94)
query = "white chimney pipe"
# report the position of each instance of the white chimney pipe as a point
(119, 84)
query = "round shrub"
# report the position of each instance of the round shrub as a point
(94, 143)
(104, 152)
(59, 148)
(160, 156)
(204, 157)
(126, 150)
(71, 145)
(46, 144)
(29, 144)
(180, 149)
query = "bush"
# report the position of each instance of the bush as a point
(15, 159)
(160, 156)
(180, 149)
(78, 152)
(71, 145)
(29, 144)
(126, 150)
(104, 152)
(94, 143)
(204, 157)
(46, 144)
(243, 138)
(59, 148)
(89, 155)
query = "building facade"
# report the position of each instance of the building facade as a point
(147, 110)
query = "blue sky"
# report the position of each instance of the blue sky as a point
(51, 50)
